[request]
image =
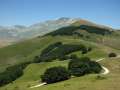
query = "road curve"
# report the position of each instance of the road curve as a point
(106, 70)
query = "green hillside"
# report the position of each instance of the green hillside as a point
(32, 74)
(102, 40)
(27, 50)
(23, 51)
(90, 32)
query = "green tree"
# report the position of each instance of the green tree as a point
(82, 66)
(55, 74)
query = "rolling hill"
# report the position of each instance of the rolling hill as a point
(101, 39)
(90, 32)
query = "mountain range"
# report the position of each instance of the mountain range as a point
(20, 32)
(17, 33)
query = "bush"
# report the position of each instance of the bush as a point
(82, 66)
(112, 55)
(55, 74)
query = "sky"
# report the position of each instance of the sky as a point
(28, 12)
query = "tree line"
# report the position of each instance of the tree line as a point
(69, 30)
(60, 51)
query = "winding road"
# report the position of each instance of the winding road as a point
(106, 71)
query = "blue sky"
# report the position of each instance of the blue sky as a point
(27, 12)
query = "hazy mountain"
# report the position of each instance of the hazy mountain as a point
(18, 32)
(45, 27)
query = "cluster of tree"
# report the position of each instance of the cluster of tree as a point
(12, 73)
(60, 51)
(82, 66)
(69, 30)
(96, 30)
(55, 74)
(76, 67)
(50, 48)
(44, 56)
(64, 31)
(78, 34)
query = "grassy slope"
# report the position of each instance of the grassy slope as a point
(25, 51)
(32, 72)
(88, 82)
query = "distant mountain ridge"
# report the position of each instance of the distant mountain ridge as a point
(20, 32)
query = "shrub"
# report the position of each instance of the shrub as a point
(55, 74)
(112, 55)
(82, 66)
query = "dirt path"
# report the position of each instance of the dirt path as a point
(38, 85)
(106, 70)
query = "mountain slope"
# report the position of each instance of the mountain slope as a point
(79, 30)
(90, 31)
(32, 73)
(101, 39)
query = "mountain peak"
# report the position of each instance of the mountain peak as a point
(64, 18)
